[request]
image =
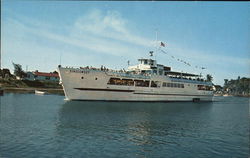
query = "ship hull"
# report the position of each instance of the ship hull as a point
(92, 85)
(131, 96)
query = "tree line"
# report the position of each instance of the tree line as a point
(239, 86)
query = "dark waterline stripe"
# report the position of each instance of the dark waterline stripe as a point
(92, 100)
(100, 89)
(172, 94)
(123, 90)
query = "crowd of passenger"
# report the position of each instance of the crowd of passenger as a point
(186, 78)
(103, 68)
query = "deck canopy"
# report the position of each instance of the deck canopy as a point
(181, 74)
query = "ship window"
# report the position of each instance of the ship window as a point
(164, 84)
(201, 87)
(145, 62)
(141, 83)
(154, 71)
(128, 82)
(205, 88)
(155, 84)
(182, 85)
(96, 78)
(122, 82)
(160, 72)
(82, 77)
(114, 81)
(176, 85)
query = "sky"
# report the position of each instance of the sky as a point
(40, 35)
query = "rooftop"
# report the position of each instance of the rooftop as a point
(46, 74)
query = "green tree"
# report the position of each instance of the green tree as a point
(18, 71)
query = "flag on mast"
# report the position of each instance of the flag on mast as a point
(162, 44)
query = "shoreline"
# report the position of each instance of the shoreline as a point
(32, 90)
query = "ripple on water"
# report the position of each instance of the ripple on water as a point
(47, 126)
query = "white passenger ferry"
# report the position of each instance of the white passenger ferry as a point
(147, 81)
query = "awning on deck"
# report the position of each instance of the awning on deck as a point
(182, 74)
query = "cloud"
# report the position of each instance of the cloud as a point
(109, 25)
(97, 22)
(95, 31)
(98, 33)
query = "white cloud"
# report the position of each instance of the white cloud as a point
(109, 25)
(101, 33)
(108, 33)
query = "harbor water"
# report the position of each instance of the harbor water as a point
(47, 126)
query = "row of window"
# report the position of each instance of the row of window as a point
(157, 84)
(142, 83)
(174, 85)
(124, 82)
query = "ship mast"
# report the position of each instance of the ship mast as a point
(156, 42)
(0, 59)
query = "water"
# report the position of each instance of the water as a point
(47, 126)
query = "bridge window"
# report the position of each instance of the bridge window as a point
(160, 72)
(154, 71)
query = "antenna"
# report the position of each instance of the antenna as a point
(0, 59)
(151, 53)
(60, 58)
(156, 42)
(156, 35)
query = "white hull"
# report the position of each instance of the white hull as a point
(82, 84)
(130, 96)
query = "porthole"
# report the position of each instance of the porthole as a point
(96, 78)
(82, 77)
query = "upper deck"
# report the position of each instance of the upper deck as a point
(146, 69)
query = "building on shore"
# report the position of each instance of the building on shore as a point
(42, 76)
